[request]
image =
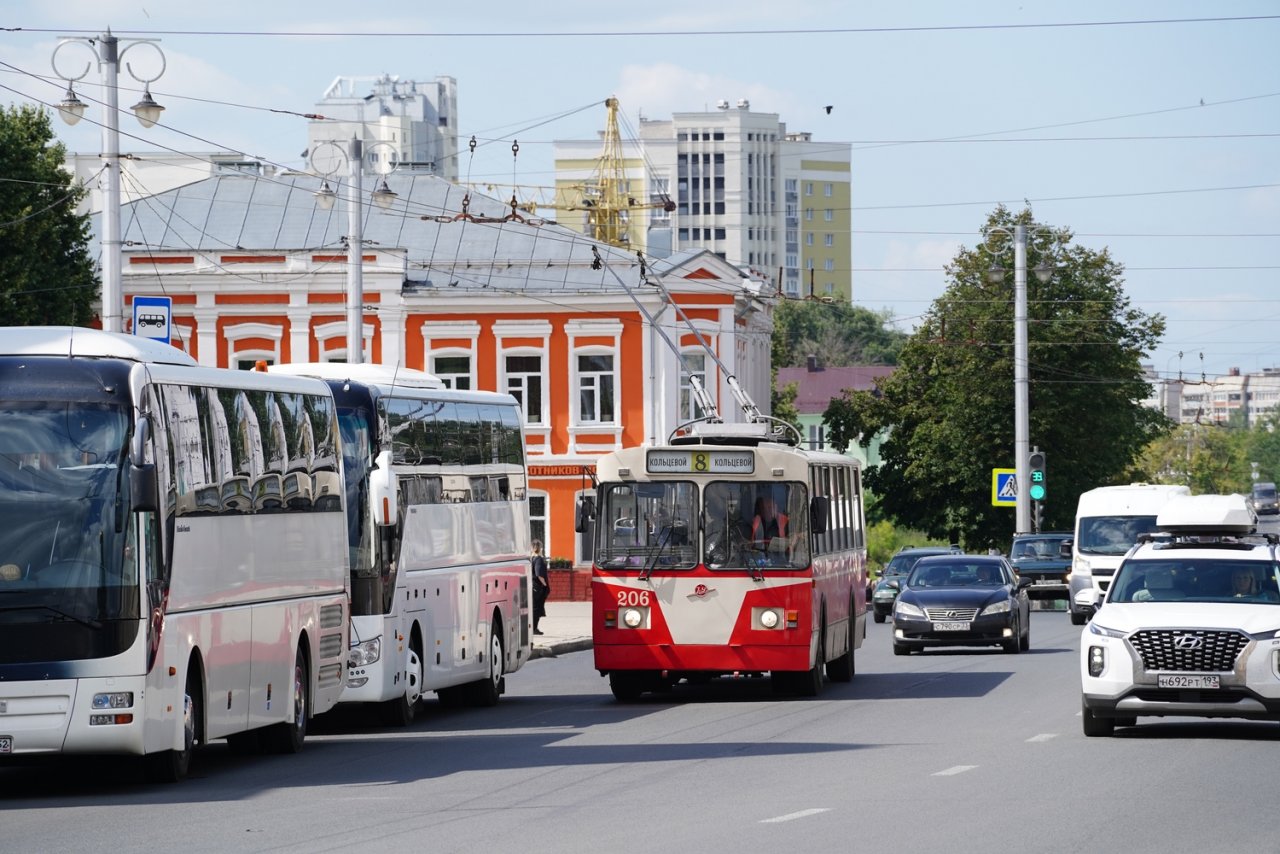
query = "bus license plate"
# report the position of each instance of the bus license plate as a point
(1184, 680)
(951, 627)
(6, 744)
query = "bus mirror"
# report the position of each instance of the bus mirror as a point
(144, 494)
(818, 508)
(141, 436)
(382, 491)
(583, 514)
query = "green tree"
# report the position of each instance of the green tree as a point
(949, 406)
(46, 272)
(840, 335)
(1214, 458)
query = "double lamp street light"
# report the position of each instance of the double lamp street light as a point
(1044, 271)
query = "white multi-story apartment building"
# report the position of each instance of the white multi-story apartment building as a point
(1250, 397)
(416, 122)
(762, 198)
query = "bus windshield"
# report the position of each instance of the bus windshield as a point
(64, 511)
(648, 525)
(756, 524)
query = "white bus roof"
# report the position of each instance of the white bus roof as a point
(364, 372)
(82, 342)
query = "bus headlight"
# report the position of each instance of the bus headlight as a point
(365, 653)
(769, 619)
(632, 618)
(114, 700)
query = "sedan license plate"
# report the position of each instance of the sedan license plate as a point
(1187, 680)
(6, 744)
(951, 626)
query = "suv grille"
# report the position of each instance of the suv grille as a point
(1188, 649)
(941, 614)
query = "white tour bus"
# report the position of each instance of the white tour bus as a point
(173, 560)
(1108, 522)
(439, 536)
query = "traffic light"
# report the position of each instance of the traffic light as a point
(1037, 477)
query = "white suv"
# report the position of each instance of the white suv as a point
(1190, 624)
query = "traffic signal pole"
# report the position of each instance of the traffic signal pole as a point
(1020, 397)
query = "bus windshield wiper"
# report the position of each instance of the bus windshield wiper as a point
(88, 622)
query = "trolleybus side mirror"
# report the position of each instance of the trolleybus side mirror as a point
(383, 488)
(583, 514)
(818, 507)
(144, 492)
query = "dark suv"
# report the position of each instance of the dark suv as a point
(1039, 557)
(897, 569)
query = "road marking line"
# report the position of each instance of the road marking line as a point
(952, 771)
(1044, 736)
(793, 816)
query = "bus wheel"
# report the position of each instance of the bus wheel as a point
(170, 766)
(626, 687)
(842, 669)
(487, 691)
(286, 736)
(403, 709)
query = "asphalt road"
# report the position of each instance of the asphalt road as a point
(949, 751)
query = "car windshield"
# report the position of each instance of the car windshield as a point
(1264, 493)
(1112, 535)
(1037, 548)
(1185, 579)
(956, 574)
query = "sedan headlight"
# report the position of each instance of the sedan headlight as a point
(906, 609)
(365, 653)
(1096, 629)
(1001, 607)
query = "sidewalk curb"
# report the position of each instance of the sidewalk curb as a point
(551, 650)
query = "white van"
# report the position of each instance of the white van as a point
(1108, 522)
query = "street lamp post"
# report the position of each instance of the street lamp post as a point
(109, 52)
(1021, 418)
(325, 197)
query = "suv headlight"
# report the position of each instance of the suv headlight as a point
(1096, 629)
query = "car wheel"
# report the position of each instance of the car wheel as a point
(1014, 644)
(1093, 725)
(901, 649)
(1025, 643)
(878, 617)
(1077, 618)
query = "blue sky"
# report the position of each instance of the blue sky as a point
(1158, 138)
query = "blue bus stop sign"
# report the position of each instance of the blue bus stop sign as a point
(152, 316)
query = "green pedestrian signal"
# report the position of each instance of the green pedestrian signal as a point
(1037, 477)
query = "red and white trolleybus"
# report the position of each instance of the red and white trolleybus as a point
(727, 552)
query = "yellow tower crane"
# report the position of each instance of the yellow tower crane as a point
(604, 196)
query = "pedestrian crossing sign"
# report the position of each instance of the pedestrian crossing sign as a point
(1004, 487)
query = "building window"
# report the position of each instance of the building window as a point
(826, 190)
(808, 188)
(538, 516)
(595, 389)
(524, 383)
(453, 371)
(827, 215)
(808, 214)
(817, 437)
(829, 265)
(691, 365)
(808, 239)
(829, 240)
(720, 234)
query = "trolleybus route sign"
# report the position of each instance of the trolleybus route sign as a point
(681, 461)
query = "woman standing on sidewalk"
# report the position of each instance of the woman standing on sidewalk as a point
(541, 585)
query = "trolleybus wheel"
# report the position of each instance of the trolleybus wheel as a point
(842, 669)
(626, 687)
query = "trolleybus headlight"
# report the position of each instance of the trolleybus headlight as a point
(365, 653)
(632, 618)
(769, 619)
